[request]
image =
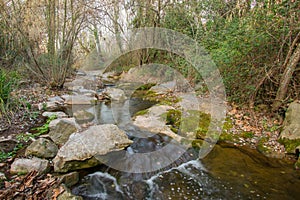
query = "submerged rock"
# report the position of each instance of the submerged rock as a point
(42, 148)
(24, 165)
(80, 149)
(290, 136)
(61, 129)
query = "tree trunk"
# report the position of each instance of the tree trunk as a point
(286, 78)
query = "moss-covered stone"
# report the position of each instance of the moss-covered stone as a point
(192, 121)
(162, 99)
(141, 112)
(290, 145)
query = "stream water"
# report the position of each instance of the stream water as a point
(226, 173)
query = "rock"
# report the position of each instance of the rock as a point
(67, 195)
(80, 149)
(83, 116)
(115, 94)
(89, 82)
(164, 88)
(80, 73)
(61, 129)
(69, 179)
(153, 121)
(56, 99)
(2, 177)
(89, 93)
(50, 106)
(42, 148)
(290, 136)
(24, 165)
(57, 114)
(79, 99)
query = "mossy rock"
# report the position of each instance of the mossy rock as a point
(141, 112)
(228, 124)
(228, 137)
(290, 145)
(155, 97)
(192, 121)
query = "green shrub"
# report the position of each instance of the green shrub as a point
(8, 82)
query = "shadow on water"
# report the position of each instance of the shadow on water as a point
(226, 173)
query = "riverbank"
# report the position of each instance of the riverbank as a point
(242, 127)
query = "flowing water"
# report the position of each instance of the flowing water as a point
(226, 173)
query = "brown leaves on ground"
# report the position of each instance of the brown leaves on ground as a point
(256, 128)
(31, 187)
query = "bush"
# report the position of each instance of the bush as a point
(8, 82)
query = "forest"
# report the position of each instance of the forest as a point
(253, 43)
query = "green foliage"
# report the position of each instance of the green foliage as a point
(37, 131)
(8, 82)
(290, 145)
(24, 138)
(4, 155)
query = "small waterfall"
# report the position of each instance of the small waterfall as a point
(100, 186)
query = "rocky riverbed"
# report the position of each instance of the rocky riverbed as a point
(77, 137)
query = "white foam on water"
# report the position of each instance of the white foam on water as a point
(181, 168)
(110, 177)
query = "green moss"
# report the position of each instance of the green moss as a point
(197, 144)
(247, 134)
(146, 86)
(260, 146)
(173, 119)
(290, 145)
(192, 121)
(197, 119)
(141, 112)
(227, 137)
(149, 95)
(228, 124)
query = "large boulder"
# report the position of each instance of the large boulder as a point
(290, 136)
(61, 129)
(24, 165)
(153, 121)
(42, 148)
(80, 149)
